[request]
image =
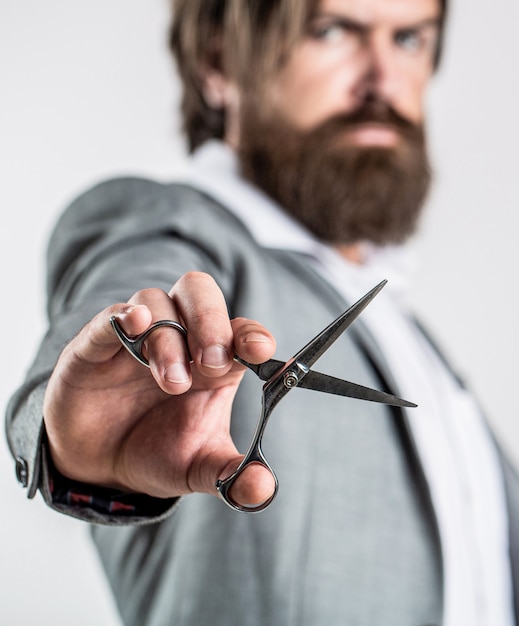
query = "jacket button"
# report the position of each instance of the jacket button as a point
(22, 472)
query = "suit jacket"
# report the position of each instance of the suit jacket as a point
(352, 536)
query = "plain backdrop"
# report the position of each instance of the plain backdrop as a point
(87, 91)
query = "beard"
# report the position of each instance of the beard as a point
(342, 193)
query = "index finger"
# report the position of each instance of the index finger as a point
(97, 342)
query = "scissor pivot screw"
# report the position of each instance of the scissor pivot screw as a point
(290, 380)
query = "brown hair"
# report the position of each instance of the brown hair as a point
(245, 39)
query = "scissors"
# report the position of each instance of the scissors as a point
(280, 377)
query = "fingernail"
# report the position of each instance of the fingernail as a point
(122, 314)
(256, 338)
(215, 356)
(176, 373)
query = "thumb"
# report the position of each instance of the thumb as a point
(254, 485)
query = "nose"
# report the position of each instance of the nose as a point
(378, 75)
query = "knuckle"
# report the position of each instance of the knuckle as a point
(193, 280)
(210, 317)
(144, 296)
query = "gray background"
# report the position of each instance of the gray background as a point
(87, 92)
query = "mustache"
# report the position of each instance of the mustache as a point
(371, 112)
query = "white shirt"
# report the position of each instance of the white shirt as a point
(457, 455)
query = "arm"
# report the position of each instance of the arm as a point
(109, 421)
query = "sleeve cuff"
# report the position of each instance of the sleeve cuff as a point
(100, 505)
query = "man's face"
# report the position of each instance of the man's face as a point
(354, 48)
(337, 135)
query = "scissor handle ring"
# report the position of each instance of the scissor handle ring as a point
(134, 344)
(253, 457)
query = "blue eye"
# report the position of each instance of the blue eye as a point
(409, 40)
(333, 30)
(326, 32)
(329, 32)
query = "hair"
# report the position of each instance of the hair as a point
(246, 40)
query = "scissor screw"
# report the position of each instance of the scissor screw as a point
(290, 380)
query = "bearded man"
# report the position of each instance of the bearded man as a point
(309, 171)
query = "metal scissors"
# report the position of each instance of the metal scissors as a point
(281, 377)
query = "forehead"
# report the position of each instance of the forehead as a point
(394, 12)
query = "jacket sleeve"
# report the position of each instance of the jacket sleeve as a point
(121, 236)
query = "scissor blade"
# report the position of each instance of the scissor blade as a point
(339, 387)
(318, 346)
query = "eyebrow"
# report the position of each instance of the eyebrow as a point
(342, 20)
(430, 22)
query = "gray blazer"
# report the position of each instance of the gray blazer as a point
(352, 536)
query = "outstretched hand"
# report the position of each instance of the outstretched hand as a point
(162, 431)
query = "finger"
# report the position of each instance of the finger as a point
(97, 342)
(202, 306)
(252, 341)
(165, 348)
(254, 486)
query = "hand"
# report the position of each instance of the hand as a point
(162, 431)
